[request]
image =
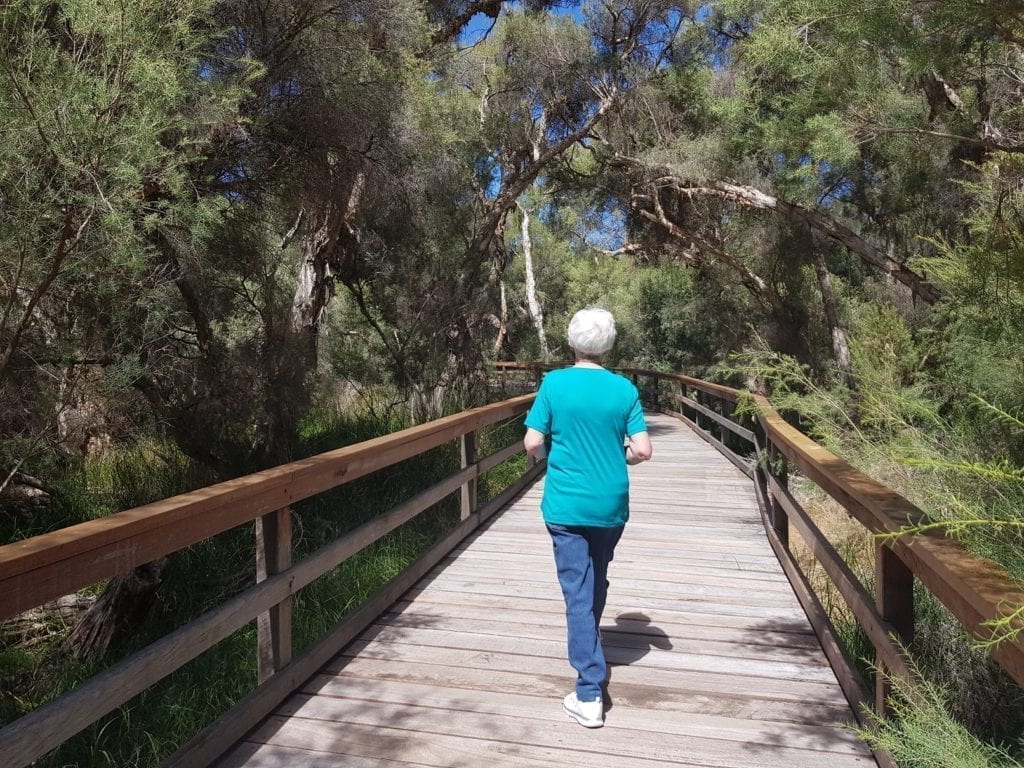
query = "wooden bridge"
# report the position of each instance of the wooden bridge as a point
(720, 654)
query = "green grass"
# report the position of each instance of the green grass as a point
(923, 735)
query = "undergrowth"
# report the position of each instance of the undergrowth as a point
(961, 465)
(152, 725)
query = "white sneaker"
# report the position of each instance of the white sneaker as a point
(589, 714)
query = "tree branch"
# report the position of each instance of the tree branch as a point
(991, 144)
(69, 239)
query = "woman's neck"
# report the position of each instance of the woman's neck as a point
(583, 363)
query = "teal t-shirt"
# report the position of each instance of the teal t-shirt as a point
(586, 413)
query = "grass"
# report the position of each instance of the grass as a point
(152, 725)
(923, 735)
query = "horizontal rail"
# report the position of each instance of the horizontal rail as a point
(234, 724)
(716, 417)
(55, 564)
(858, 599)
(716, 390)
(975, 590)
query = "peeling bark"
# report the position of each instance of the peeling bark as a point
(126, 598)
(327, 250)
(840, 346)
(518, 182)
(502, 321)
(536, 313)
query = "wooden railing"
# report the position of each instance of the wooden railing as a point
(975, 590)
(45, 567)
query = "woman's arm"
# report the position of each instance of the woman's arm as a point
(534, 444)
(639, 448)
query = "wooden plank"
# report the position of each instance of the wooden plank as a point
(740, 464)
(762, 583)
(274, 756)
(467, 494)
(715, 390)
(343, 700)
(629, 552)
(776, 646)
(696, 615)
(218, 737)
(625, 585)
(894, 599)
(717, 606)
(273, 628)
(636, 695)
(548, 744)
(692, 681)
(488, 463)
(683, 656)
(547, 728)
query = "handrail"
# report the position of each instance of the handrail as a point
(44, 567)
(975, 590)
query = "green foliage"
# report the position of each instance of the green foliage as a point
(920, 733)
(151, 164)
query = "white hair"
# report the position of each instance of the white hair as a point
(592, 331)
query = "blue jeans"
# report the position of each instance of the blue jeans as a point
(582, 554)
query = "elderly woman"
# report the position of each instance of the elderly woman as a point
(589, 424)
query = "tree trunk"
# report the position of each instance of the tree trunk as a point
(693, 245)
(502, 321)
(22, 494)
(536, 313)
(322, 260)
(840, 346)
(123, 603)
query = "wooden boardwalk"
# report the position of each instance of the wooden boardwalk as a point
(713, 662)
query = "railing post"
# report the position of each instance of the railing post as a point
(779, 518)
(723, 433)
(894, 598)
(273, 628)
(699, 418)
(468, 450)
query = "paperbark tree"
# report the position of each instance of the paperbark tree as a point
(536, 313)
